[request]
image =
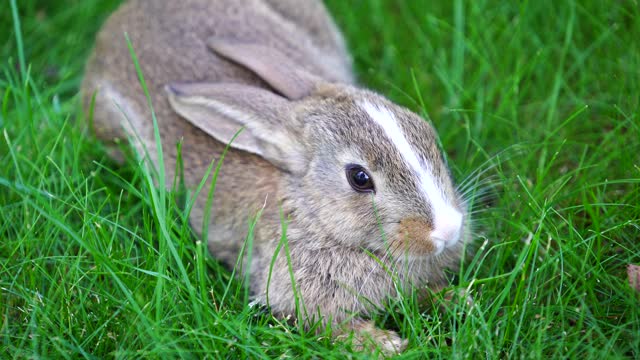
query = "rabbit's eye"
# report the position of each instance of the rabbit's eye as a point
(359, 179)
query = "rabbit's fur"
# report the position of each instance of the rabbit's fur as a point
(280, 69)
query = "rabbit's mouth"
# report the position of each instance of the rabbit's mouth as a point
(416, 238)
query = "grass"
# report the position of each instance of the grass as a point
(543, 97)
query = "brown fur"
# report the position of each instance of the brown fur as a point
(413, 237)
(299, 106)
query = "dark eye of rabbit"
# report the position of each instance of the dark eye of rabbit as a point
(359, 179)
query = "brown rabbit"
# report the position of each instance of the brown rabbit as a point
(359, 181)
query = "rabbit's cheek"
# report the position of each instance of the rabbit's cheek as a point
(412, 238)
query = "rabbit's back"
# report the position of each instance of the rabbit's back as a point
(169, 39)
(170, 42)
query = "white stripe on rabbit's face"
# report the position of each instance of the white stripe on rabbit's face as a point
(447, 221)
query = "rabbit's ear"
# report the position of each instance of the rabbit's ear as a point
(221, 110)
(274, 67)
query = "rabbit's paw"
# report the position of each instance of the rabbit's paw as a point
(368, 336)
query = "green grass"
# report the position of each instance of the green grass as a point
(543, 97)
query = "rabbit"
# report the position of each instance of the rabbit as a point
(353, 192)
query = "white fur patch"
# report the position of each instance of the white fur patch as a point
(447, 220)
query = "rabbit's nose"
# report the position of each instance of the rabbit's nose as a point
(448, 227)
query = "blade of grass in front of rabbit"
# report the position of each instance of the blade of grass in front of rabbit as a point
(157, 197)
(248, 247)
(178, 180)
(201, 243)
(274, 257)
(209, 205)
(212, 189)
(186, 203)
(391, 271)
(387, 247)
(242, 259)
(373, 256)
(159, 205)
(92, 104)
(181, 193)
(283, 242)
(300, 307)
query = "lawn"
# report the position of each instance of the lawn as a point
(537, 102)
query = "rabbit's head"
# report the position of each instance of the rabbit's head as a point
(357, 170)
